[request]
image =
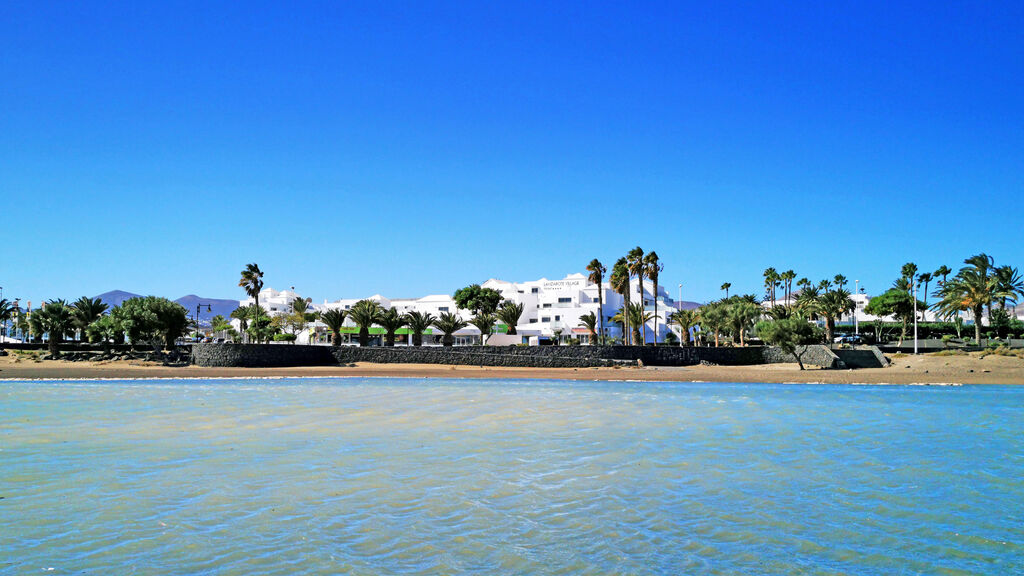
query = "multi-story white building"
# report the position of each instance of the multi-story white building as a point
(551, 310)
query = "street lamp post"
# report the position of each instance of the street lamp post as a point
(679, 304)
(199, 308)
(915, 318)
(856, 309)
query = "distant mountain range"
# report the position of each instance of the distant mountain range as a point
(217, 305)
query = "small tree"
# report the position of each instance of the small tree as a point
(484, 323)
(364, 313)
(334, 319)
(56, 319)
(477, 300)
(589, 321)
(418, 323)
(509, 314)
(390, 320)
(449, 323)
(790, 334)
(894, 302)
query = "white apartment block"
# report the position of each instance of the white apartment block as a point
(551, 309)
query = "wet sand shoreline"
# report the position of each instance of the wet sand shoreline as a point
(922, 369)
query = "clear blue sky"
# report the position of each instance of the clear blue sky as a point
(414, 148)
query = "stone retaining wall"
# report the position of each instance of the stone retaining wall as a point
(261, 355)
(817, 354)
(273, 355)
(866, 357)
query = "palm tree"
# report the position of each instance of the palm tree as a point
(740, 316)
(713, 319)
(771, 280)
(620, 283)
(7, 311)
(833, 305)
(449, 323)
(365, 314)
(597, 271)
(390, 320)
(972, 289)
(637, 267)
(334, 319)
(638, 318)
(840, 281)
(726, 287)
(684, 320)
(807, 302)
(252, 282)
(300, 305)
(1009, 285)
(589, 321)
(418, 323)
(86, 311)
(653, 269)
(942, 271)
(509, 314)
(787, 278)
(485, 323)
(55, 318)
(925, 278)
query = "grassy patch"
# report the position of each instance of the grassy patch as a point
(949, 353)
(898, 355)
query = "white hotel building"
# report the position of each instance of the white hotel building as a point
(551, 309)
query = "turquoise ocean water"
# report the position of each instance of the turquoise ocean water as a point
(407, 476)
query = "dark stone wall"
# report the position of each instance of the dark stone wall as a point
(511, 356)
(271, 355)
(261, 355)
(73, 346)
(817, 354)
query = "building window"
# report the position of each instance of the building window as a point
(545, 319)
(347, 307)
(442, 309)
(558, 318)
(564, 300)
(533, 320)
(534, 290)
(546, 305)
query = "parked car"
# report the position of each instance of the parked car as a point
(850, 339)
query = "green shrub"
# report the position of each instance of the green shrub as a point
(285, 337)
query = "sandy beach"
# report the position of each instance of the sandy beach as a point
(923, 369)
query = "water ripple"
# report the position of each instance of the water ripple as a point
(378, 476)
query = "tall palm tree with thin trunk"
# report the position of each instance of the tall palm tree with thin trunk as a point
(638, 318)
(449, 323)
(771, 280)
(597, 271)
(252, 282)
(925, 278)
(726, 287)
(334, 319)
(418, 323)
(654, 268)
(973, 288)
(620, 283)
(787, 278)
(638, 268)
